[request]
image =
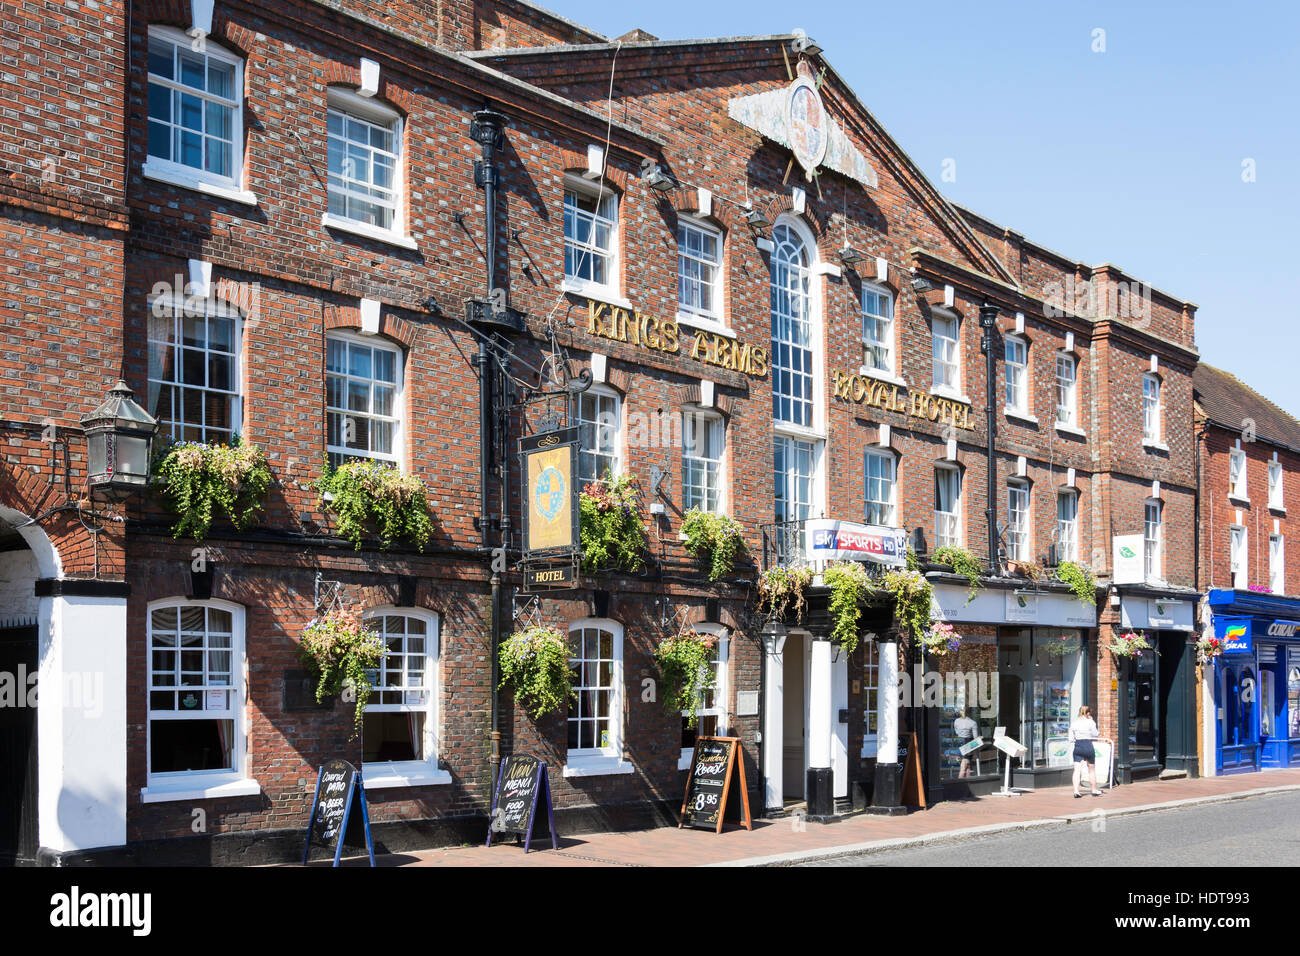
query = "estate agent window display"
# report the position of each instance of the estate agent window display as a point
(1042, 676)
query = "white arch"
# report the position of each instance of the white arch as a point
(47, 556)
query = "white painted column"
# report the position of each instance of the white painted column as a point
(840, 735)
(81, 723)
(773, 720)
(820, 702)
(887, 713)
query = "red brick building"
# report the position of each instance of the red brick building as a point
(266, 221)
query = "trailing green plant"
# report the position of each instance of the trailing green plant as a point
(1129, 644)
(912, 558)
(342, 648)
(781, 589)
(1081, 581)
(611, 527)
(197, 479)
(684, 665)
(913, 597)
(849, 584)
(715, 535)
(535, 663)
(367, 493)
(963, 562)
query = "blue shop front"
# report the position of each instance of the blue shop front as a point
(1256, 681)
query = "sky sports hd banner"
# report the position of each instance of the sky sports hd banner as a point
(831, 540)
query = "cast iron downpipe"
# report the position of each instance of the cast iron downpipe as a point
(988, 323)
(488, 130)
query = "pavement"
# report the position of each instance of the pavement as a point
(790, 841)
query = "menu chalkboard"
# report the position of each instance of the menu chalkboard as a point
(336, 785)
(514, 804)
(709, 784)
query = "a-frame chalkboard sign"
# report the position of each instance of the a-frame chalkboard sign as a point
(337, 785)
(514, 803)
(705, 803)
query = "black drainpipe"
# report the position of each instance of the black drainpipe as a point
(988, 323)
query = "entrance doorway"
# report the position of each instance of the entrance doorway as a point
(18, 660)
(794, 705)
(1238, 718)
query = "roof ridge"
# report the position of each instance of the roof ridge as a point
(1250, 388)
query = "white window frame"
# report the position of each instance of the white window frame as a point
(719, 690)
(710, 319)
(956, 534)
(1067, 388)
(883, 340)
(397, 457)
(693, 418)
(1237, 474)
(889, 505)
(609, 290)
(1016, 393)
(1276, 499)
(1067, 529)
(596, 761)
(1152, 424)
(785, 329)
(421, 772)
(1020, 536)
(179, 306)
(1277, 563)
(598, 424)
(1153, 544)
(945, 354)
(1239, 557)
(201, 784)
(870, 687)
(349, 104)
(177, 173)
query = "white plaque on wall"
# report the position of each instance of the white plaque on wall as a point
(746, 703)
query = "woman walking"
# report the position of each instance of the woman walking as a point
(1083, 731)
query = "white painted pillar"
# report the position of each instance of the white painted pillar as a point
(820, 701)
(840, 736)
(81, 723)
(774, 720)
(887, 715)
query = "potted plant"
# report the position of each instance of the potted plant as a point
(1207, 649)
(780, 589)
(940, 639)
(849, 584)
(684, 665)
(963, 562)
(342, 649)
(1081, 581)
(1129, 644)
(364, 494)
(535, 663)
(715, 536)
(611, 527)
(197, 479)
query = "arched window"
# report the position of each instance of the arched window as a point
(792, 329)
(595, 722)
(194, 376)
(399, 738)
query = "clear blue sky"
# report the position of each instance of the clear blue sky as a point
(1131, 156)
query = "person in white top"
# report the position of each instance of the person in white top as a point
(966, 730)
(1083, 731)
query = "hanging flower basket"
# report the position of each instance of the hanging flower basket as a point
(343, 650)
(1207, 649)
(366, 494)
(535, 663)
(684, 665)
(1129, 644)
(198, 479)
(611, 527)
(716, 537)
(1063, 646)
(849, 584)
(940, 639)
(781, 590)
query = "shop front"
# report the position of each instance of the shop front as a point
(1255, 681)
(1156, 690)
(1021, 669)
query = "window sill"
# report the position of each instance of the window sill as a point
(797, 431)
(942, 391)
(1070, 430)
(175, 177)
(596, 766)
(406, 773)
(200, 788)
(330, 221)
(1239, 499)
(882, 375)
(706, 324)
(1154, 445)
(601, 293)
(1021, 416)
(1280, 509)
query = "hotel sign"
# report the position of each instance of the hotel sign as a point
(865, 390)
(633, 327)
(831, 540)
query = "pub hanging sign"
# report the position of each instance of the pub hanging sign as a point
(550, 467)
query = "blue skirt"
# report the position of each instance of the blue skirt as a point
(1083, 750)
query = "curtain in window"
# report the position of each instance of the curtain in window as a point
(162, 351)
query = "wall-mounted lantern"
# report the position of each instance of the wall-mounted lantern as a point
(119, 438)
